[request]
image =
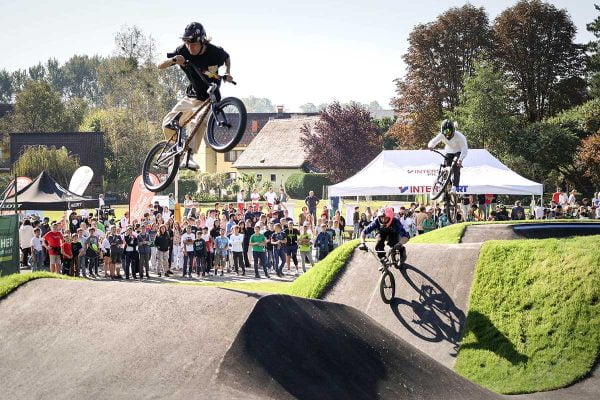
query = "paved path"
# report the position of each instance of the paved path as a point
(109, 340)
(432, 295)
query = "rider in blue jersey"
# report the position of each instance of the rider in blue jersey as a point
(388, 228)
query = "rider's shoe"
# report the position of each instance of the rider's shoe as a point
(188, 162)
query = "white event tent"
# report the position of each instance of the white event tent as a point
(410, 172)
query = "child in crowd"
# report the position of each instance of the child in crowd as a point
(221, 251)
(304, 245)
(37, 255)
(323, 242)
(200, 254)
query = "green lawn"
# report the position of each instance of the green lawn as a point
(534, 315)
(11, 282)
(452, 234)
(312, 284)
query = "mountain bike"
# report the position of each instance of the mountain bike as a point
(394, 257)
(225, 128)
(442, 188)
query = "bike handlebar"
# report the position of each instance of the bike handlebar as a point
(188, 63)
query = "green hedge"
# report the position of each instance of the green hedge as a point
(299, 184)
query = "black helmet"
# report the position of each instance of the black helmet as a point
(194, 32)
(447, 129)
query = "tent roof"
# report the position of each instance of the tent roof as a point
(44, 193)
(408, 172)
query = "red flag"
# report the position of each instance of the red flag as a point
(140, 197)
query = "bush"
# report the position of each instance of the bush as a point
(299, 184)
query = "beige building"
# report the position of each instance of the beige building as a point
(276, 152)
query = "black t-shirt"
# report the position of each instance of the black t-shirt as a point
(209, 62)
(199, 247)
(268, 234)
(292, 236)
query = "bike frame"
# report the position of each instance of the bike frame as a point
(179, 147)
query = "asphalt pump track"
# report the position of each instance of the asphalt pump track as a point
(95, 340)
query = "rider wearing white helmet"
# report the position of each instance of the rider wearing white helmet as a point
(455, 146)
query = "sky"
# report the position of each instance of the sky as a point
(290, 52)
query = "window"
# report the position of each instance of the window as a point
(259, 177)
(233, 155)
(273, 177)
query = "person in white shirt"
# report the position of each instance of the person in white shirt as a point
(125, 220)
(101, 200)
(210, 220)
(25, 236)
(240, 200)
(187, 241)
(270, 197)
(255, 197)
(236, 244)
(455, 146)
(572, 199)
(37, 255)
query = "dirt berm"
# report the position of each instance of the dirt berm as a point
(291, 347)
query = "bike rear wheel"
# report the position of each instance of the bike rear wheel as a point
(451, 207)
(161, 162)
(440, 183)
(226, 124)
(387, 286)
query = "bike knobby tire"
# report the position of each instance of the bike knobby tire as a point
(451, 207)
(387, 287)
(226, 124)
(440, 183)
(151, 169)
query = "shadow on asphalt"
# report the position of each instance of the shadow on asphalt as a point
(432, 316)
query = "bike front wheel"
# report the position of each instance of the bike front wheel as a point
(440, 183)
(387, 286)
(162, 162)
(226, 124)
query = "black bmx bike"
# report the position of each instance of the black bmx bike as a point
(441, 189)
(225, 128)
(394, 257)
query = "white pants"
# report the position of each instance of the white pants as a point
(188, 106)
(177, 257)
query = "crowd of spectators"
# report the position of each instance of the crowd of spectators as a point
(231, 238)
(256, 233)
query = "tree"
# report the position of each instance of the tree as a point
(342, 141)
(37, 72)
(545, 149)
(309, 108)
(594, 60)
(79, 77)
(487, 114)
(534, 47)
(440, 55)
(588, 158)
(38, 108)
(58, 163)
(258, 105)
(128, 137)
(374, 106)
(6, 90)
(390, 142)
(133, 44)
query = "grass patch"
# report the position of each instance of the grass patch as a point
(311, 285)
(534, 315)
(11, 282)
(452, 234)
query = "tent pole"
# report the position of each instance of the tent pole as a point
(16, 192)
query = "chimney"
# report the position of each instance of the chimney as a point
(280, 109)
